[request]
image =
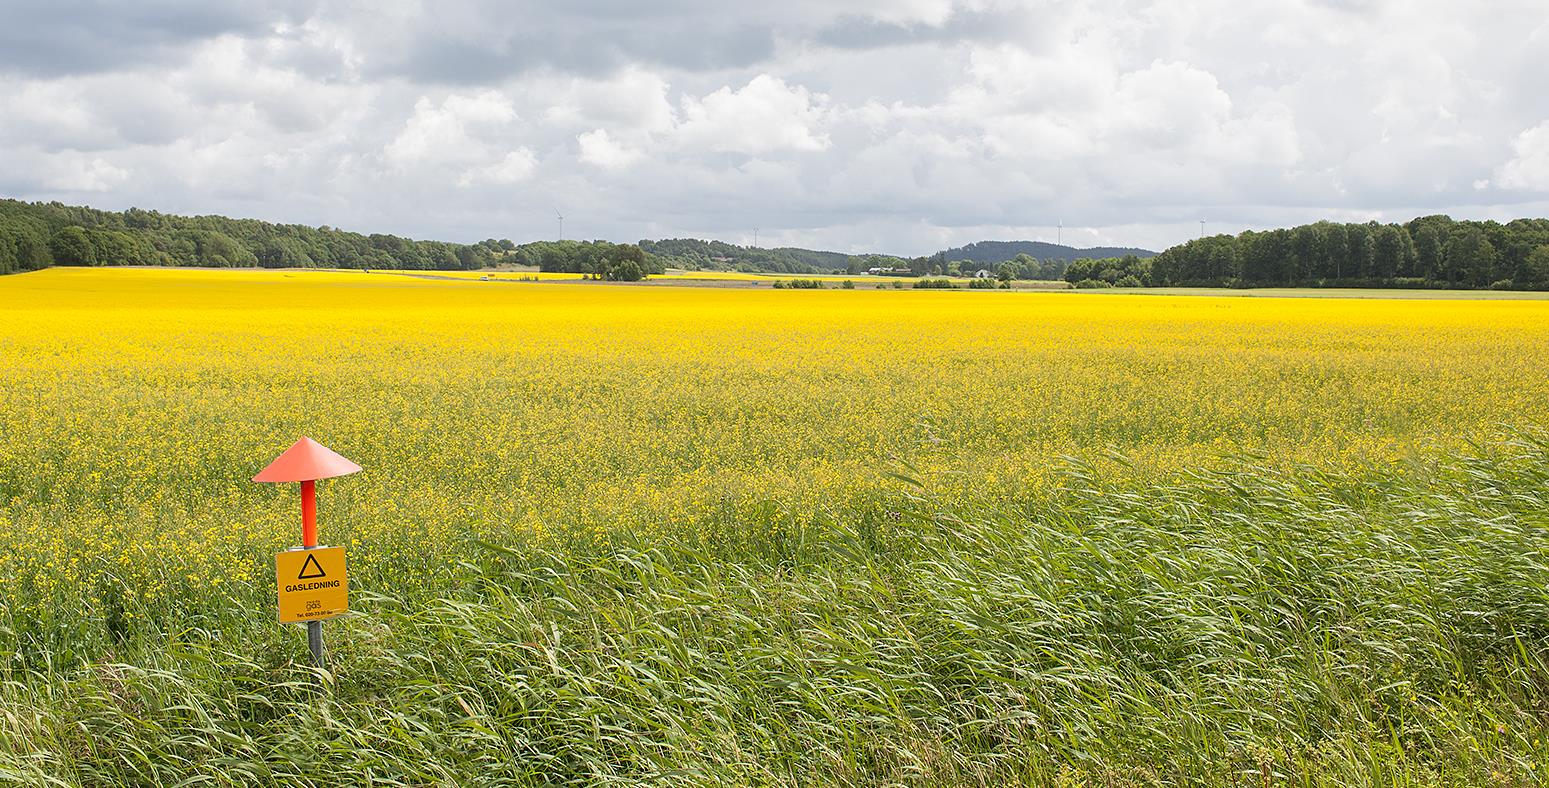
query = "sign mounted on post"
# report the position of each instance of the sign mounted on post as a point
(312, 583)
(311, 580)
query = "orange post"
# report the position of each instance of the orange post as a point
(308, 513)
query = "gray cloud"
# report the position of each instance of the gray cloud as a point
(58, 37)
(855, 31)
(453, 60)
(486, 42)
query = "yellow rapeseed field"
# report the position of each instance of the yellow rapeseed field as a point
(139, 403)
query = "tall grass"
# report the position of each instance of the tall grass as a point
(1243, 626)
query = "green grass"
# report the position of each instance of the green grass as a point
(1388, 626)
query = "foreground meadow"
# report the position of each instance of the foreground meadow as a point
(755, 536)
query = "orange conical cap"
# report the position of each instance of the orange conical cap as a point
(304, 461)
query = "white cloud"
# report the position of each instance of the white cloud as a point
(451, 131)
(600, 150)
(48, 113)
(466, 138)
(1168, 105)
(633, 99)
(514, 167)
(1528, 170)
(764, 116)
(75, 173)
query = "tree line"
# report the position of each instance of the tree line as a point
(37, 235)
(1427, 252)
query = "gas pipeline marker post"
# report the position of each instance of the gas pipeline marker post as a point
(310, 580)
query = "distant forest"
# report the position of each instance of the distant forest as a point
(1431, 252)
(37, 235)
(1428, 252)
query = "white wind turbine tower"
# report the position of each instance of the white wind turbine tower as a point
(561, 218)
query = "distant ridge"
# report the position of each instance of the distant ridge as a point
(696, 253)
(1000, 251)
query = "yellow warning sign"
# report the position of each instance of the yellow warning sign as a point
(312, 583)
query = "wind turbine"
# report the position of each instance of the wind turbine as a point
(561, 218)
(1059, 233)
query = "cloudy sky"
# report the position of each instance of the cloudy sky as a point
(902, 126)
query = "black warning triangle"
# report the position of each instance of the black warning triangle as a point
(311, 569)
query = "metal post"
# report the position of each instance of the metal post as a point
(315, 642)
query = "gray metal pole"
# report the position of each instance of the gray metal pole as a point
(315, 642)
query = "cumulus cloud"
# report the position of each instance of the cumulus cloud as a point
(451, 130)
(514, 167)
(600, 150)
(76, 173)
(470, 138)
(633, 99)
(1528, 170)
(764, 116)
